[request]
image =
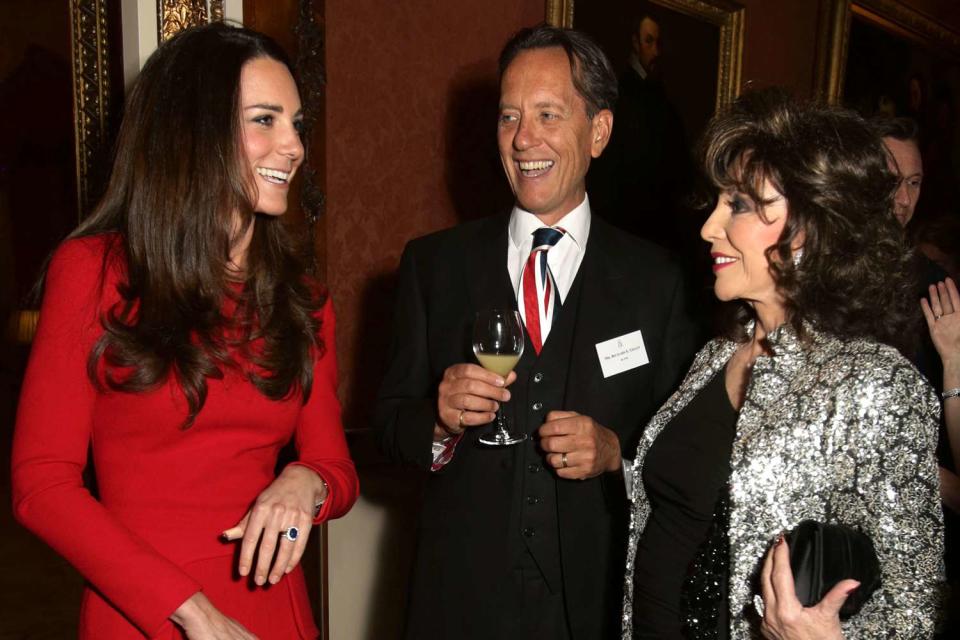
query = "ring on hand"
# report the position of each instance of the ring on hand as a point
(460, 419)
(563, 461)
(758, 604)
(290, 533)
(938, 316)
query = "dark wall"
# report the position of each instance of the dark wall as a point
(38, 194)
(780, 41)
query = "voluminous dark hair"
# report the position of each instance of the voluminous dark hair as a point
(178, 198)
(593, 76)
(857, 273)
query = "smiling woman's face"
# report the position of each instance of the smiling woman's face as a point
(271, 120)
(740, 235)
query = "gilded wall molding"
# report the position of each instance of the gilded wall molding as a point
(173, 16)
(728, 16)
(891, 15)
(313, 78)
(91, 91)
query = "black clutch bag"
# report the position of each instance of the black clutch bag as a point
(821, 555)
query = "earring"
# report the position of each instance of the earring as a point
(797, 257)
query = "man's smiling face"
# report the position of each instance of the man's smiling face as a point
(545, 137)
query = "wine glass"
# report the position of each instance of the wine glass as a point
(498, 345)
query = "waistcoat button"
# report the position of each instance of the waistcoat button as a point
(537, 377)
(536, 406)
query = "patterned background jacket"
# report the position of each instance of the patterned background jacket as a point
(835, 431)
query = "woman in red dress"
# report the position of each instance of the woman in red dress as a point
(182, 341)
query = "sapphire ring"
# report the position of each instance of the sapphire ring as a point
(290, 533)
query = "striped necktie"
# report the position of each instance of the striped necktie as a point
(541, 301)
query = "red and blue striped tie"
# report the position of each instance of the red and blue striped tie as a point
(535, 305)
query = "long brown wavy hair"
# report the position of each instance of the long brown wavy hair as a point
(857, 274)
(179, 183)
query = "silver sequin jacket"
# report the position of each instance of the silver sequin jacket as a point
(835, 431)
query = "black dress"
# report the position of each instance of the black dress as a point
(685, 475)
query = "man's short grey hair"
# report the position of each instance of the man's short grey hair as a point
(593, 76)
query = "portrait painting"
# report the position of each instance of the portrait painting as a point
(676, 62)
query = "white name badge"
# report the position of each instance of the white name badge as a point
(622, 354)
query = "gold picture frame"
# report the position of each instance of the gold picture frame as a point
(91, 52)
(173, 16)
(891, 15)
(560, 13)
(90, 45)
(726, 15)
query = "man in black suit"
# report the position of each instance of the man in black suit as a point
(527, 541)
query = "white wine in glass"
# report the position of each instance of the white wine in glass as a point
(501, 364)
(498, 344)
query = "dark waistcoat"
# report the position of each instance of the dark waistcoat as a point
(540, 388)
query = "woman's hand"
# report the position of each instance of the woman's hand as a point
(942, 312)
(201, 620)
(289, 501)
(943, 321)
(784, 618)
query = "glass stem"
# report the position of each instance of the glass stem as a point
(501, 421)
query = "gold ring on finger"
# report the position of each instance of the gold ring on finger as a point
(563, 461)
(460, 419)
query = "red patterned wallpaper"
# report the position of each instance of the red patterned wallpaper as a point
(410, 128)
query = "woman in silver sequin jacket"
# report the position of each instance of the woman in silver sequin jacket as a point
(834, 424)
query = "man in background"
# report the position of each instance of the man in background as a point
(900, 135)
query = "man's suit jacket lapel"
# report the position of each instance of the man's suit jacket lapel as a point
(605, 291)
(485, 267)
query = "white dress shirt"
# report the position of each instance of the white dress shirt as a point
(564, 260)
(636, 66)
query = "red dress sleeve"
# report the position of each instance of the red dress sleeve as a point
(51, 440)
(320, 441)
